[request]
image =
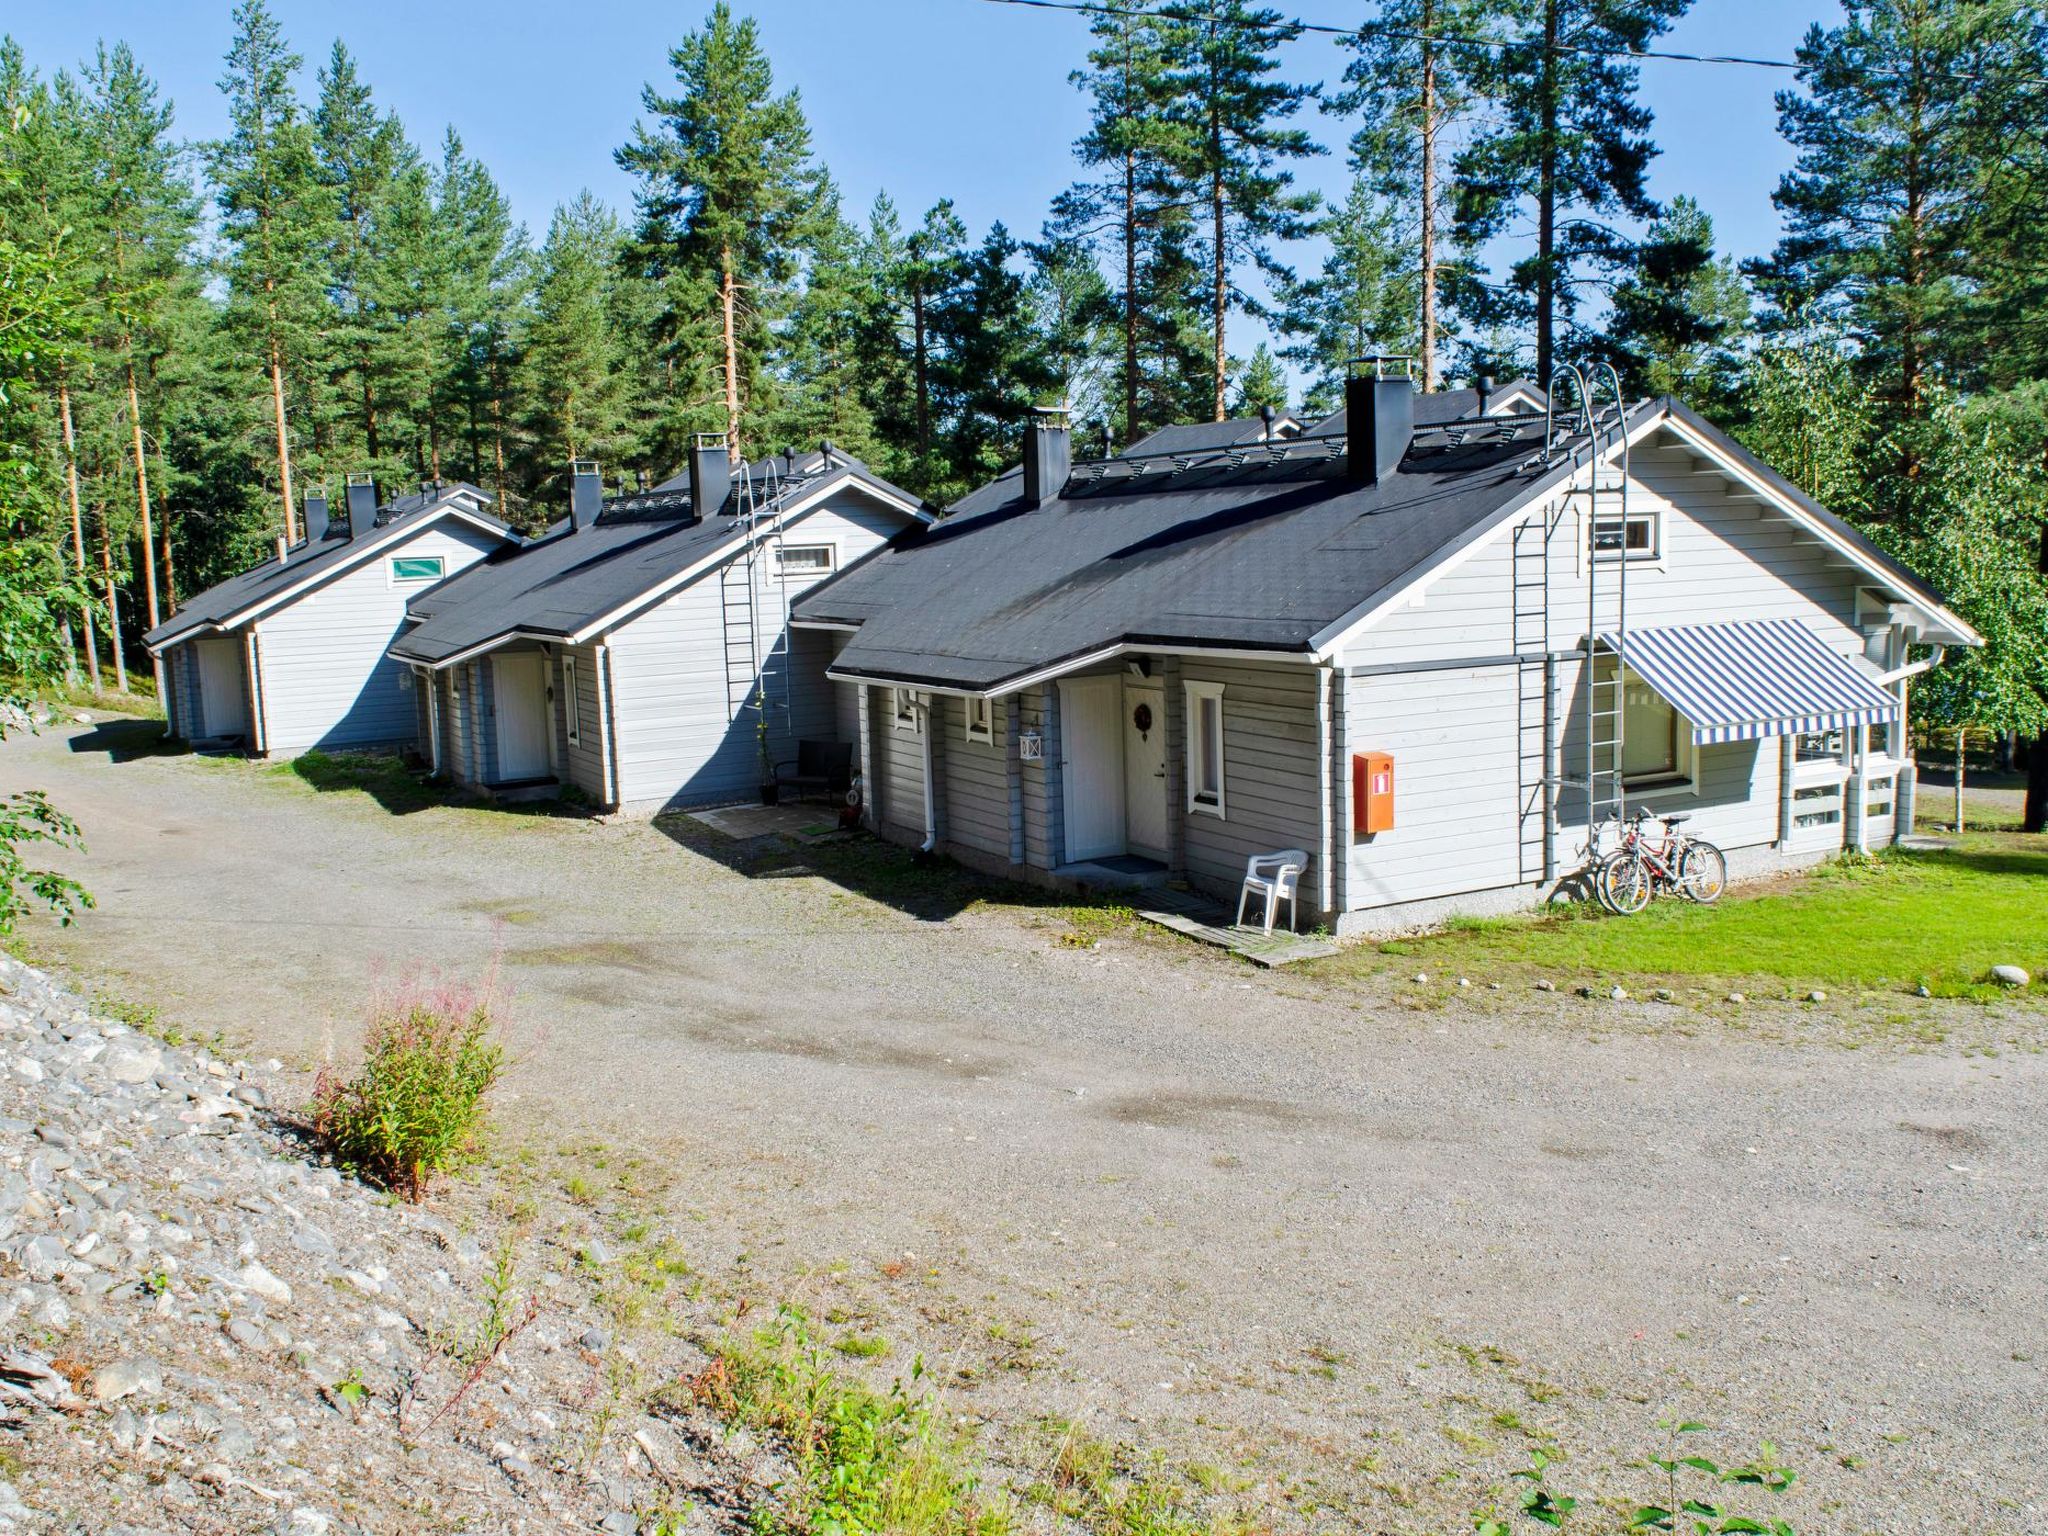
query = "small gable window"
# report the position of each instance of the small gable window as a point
(1633, 537)
(1205, 748)
(805, 560)
(981, 721)
(406, 569)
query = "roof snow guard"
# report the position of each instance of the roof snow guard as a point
(1760, 677)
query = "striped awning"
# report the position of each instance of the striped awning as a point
(1759, 677)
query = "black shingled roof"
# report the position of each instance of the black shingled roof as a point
(1259, 549)
(222, 601)
(568, 577)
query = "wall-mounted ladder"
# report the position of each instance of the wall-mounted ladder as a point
(1584, 417)
(757, 683)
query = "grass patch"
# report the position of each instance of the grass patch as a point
(1108, 1489)
(863, 1460)
(381, 776)
(1889, 922)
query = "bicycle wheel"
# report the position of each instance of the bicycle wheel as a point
(1622, 882)
(1702, 872)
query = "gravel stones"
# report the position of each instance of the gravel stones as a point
(125, 1378)
(127, 1062)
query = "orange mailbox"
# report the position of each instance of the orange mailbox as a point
(1372, 792)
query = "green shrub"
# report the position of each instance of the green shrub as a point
(430, 1054)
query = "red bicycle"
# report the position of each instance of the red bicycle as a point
(1641, 865)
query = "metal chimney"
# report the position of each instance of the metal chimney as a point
(362, 505)
(1485, 388)
(1379, 416)
(710, 474)
(316, 516)
(1048, 454)
(586, 492)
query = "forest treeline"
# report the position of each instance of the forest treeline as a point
(321, 292)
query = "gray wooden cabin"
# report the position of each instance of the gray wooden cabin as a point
(291, 655)
(1150, 668)
(640, 652)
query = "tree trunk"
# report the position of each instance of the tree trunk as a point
(149, 608)
(284, 452)
(920, 362)
(1546, 204)
(498, 444)
(369, 415)
(1428, 209)
(92, 653)
(1962, 736)
(113, 604)
(1130, 222)
(1219, 297)
(729, 303)
(2035, 817)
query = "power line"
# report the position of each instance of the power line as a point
(1479, 44)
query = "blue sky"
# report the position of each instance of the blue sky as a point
(921, 98)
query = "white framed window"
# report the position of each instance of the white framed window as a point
(1205, 747)
(806, 561)
(1636, 536)
(903, 707)
(412, 570)
(981, 718)
(571, 722)
(1656, 742)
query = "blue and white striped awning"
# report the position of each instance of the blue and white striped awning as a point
(1759, 677)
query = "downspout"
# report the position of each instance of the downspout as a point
(431, 681)
(1913, 669)
(259, 728)
(931, 798)
(607, 770)
(1906, 777)
(1325, 889)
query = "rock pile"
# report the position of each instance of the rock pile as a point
(208, 1330)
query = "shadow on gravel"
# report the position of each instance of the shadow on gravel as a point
(921, 886)
(126, 740)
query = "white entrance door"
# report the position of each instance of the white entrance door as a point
(519, 689)
(223, 690)
(1092, 765)
(1145, 771)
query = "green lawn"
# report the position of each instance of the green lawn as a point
(1885, 924)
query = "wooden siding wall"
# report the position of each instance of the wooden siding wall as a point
(327, 681)
(582, 762)
(897, 757)
(977, 779)
(1466, 803)
(678, 741)
(1270, 787)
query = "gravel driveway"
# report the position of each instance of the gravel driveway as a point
(1359, 1256)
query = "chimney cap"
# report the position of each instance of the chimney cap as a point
(359, 477)
(1381, 365)
(583, 466)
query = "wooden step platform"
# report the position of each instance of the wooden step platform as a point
(1208, 922)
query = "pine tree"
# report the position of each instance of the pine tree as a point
(1077, 324)
(362, 153)
(488, 281)
(726, 201)
(1412, 84)
(1900, 124)
(142, 217)
(823, 386)
(1240, 142)
(275, 212)
(993, 366)
(1677, 322)
(1136, 209)
(1362, 301)
(928, 276)
(1568, 140)
(572, 352)
(1261, 382)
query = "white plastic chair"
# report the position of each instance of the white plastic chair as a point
(1273, 877)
